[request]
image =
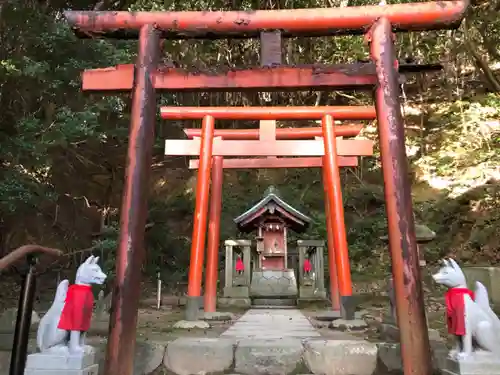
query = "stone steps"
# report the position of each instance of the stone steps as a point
(274, 302)
(270, 307)
(285, 356)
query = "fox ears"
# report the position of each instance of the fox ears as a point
(450, 263)
(91, 260)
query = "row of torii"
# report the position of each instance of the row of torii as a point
(145, 77)
(298, 148)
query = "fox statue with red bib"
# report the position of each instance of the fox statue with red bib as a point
(62, 329)
(468, 314)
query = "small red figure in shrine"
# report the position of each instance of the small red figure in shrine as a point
(307, 266)
(240, 267)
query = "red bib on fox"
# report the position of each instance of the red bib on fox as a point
(455, 309)
(77, 311)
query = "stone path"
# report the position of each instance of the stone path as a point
(271, 324)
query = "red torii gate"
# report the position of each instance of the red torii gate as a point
(378, 22)
(266, 144)
(219, 164)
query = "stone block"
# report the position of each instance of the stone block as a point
(331, 315)
(389, 355)
(91, 370)
(311, 293)
(234, 302)
(340, 357)
(147, 358)
(42, 361)
(191, 324)
(236, 292)
(274, 283)
(489, 277)
(192, 356)
(268, 357)
(348, 325)
(217, 316)
(480, 363)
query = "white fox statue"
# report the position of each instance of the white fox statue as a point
(469, 315)
(62, 329)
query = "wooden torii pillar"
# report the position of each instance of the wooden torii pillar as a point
(266, 129)
(268, 146)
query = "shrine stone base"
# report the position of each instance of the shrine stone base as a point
(57, 364)
(479, 363)
(243, 303)
(236, 292)
(311, 293)
(274, 283)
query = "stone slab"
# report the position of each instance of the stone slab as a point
(236, 292)
(480, 363)
(311, 293)
(271, 324)
(234, 302)
(191, 324)
(91, 370)
(346, 357)
(349, 325)
(190, 356)
(389, 355)
(270, 357)
(217, 316)
(328, 316)
(45, 361)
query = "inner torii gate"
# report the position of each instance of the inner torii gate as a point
(341, 152)
(267, 130)
(378, 22)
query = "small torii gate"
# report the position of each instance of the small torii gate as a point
(344, 153)
(378, 24)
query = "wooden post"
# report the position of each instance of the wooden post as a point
(200, 220)
(336, 214)
(212, 268)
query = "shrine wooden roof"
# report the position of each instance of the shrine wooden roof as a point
(272, 206)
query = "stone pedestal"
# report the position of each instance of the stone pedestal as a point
(57, 364)
(479, 363)
(237, 286)
(236, 292)
(312, 287)
(274, 283)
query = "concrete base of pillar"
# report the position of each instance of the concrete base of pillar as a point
(347, 307)
(193, 306)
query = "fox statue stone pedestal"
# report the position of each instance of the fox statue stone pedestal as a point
(473, 323)
(61, 332)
